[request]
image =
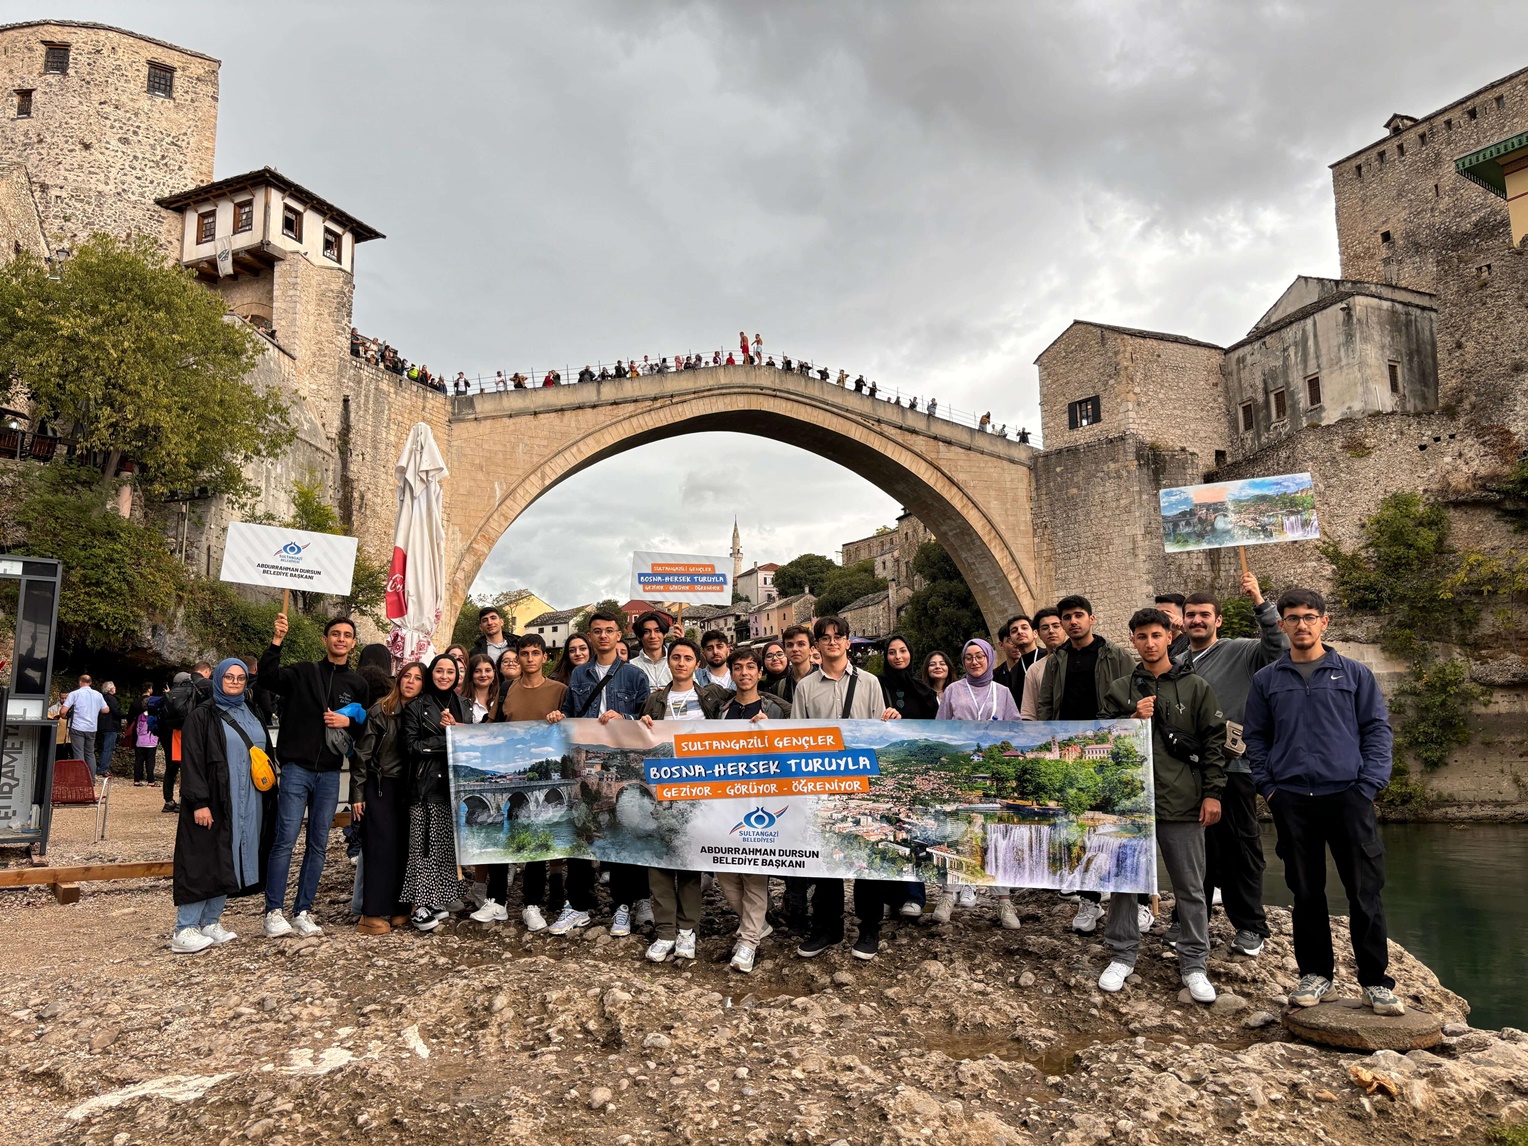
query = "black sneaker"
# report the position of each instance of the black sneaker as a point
(170, 806)
(867, 945)
(815, 945)
(424, 919)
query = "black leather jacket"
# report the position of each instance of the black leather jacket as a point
(424, 745)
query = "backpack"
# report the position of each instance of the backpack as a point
(151, 709)
(179, 703)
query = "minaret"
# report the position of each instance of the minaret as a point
(737, 553)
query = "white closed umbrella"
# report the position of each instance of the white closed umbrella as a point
(416, 580)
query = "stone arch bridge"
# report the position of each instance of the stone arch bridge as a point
(489, 802)
(974, 490)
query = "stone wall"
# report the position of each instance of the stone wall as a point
(1098, 527)
(98, 146)
(1407, 188)
(20, 224)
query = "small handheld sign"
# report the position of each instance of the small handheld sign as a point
(288, 559)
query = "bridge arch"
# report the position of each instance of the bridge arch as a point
(972, 489)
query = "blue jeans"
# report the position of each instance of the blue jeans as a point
(317, 794)
(203, 913)
(108, 742)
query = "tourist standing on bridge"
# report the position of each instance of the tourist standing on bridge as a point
(430, 881)
(314, 742)
(217, 841)
(605, 688)
(1188, 734)
(652, 626)
(1319, 742)
(532, 697)
(840, 691)
(746, 351)
(675, 893)
(1234, 847)
(379, 802)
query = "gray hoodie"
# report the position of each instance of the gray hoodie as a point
(1227, 667)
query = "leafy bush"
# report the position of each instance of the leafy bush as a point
(943, 614)
(1432, 706)
(223, 620)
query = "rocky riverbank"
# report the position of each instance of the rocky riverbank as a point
(960, 1033)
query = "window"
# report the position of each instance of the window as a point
(1083, 412)
(1249, 417)
(1395, 377)
(1501, 102)
(1220, 458)
(1358, 170)
(1382, 158)
(332, 244)
(1421, 139)
(1448, 125)
(55, 59)
(1471, 113)
(161, 81)
(206, 226)
(1280, 406)
(244, 216)
(1384, 237)
(1400, 150)
(1313, 390)
(23, 105)
(1435, 191)
(291, 223)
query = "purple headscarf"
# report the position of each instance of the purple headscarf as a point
(986, 677)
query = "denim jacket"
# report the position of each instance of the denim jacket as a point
(626, 694)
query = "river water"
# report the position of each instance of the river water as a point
(1456, 897)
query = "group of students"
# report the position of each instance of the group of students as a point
(1281, 715)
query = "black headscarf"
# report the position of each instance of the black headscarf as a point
(904, 691)
(442, 698)
(772, 679)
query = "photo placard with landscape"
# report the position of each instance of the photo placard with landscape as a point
(1254, 511)
(1064, 805)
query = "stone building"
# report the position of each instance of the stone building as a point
(769, 620)
(756, 585)
(869, 616)
(893, 551)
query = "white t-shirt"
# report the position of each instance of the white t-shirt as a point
(84, 704)
(658, 673)
(600, 673)
(495, 651)
(684, 705)
(721, 677)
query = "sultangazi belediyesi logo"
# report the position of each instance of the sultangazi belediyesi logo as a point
(290, 553)
(758, 821)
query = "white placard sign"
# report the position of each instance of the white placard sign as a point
(683, 578)
(288, 558)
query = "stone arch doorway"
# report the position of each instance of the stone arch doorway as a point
(973, 490)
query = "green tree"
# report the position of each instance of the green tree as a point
(810, 570)
(609, 605)
(465, 631)
(849, 584)
(128, 355)
(943, 614)
(368, 582)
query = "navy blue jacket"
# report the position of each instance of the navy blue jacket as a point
(1321, 737)
(626, 694)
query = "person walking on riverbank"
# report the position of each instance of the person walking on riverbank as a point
(1319, 741)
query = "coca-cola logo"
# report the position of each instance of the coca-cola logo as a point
(395, 583)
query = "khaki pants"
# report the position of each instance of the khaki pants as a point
(676, 900)
(748, 895)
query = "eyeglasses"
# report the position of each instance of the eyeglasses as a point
(831, 638)
(231, 679)
(1301, 620)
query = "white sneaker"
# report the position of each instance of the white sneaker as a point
(1088, 915)
(967, 896)
(305, 925)
(642, 913)
(620, 924)
(1007, 915)
(742, 959)
(276, 925)
(1114, 976)
(911, 909)
(660, 950)
(492, 911)
(944, 907)
(568, 921)
(533, 919)
(1144, 918)
(218, 933)
(684, 946)
(1199, 989)
(188, 941)
(1215, 899)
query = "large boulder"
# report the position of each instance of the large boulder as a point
(1349, 1024)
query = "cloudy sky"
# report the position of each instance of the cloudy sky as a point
(927, 193)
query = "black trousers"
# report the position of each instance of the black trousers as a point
(143, 764)
(1307, 827)
(1233, 856)
(872, 897)
(171, 771)
(826, 917)
(581, 884)
(498, 882)
(793, 903)
(384, 845)
(628, 883)
(534, 886)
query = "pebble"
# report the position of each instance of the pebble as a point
(1257, 1020)
(843, 978)
(1228, 1004)
(1027, 979)
(599, 1096)
(103, 1039)
(657, 1041)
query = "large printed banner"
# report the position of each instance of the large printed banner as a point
(683, 578)
(1254, 511)
(1059, 805)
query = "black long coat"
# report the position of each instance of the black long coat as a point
(424, 744)
(204, 856)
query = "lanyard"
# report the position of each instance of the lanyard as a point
(971, 692)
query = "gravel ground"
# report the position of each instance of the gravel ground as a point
(961, 1033)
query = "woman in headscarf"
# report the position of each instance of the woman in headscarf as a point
(913, 700)
(776, 669)
(430, 882)
(379, 801)
(217, 841)
(976, 697)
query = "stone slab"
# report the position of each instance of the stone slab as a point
(1347, 1023)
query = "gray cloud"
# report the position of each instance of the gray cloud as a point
(924, 192)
